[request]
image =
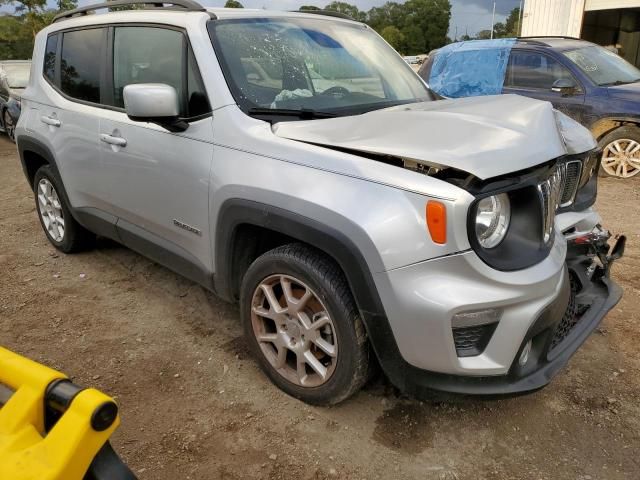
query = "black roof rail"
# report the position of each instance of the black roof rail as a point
(186, 5)
(533, 37)
(327, 13)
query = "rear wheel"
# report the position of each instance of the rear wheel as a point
(303, 326)
(58, 224)
(621, 152)
(9, 125)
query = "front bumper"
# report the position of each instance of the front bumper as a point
(583, 293)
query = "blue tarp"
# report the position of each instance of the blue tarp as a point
(469, 69)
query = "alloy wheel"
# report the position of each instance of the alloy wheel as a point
(294, 330)
(50, 210)
(621, 158)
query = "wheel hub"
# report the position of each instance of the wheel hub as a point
(50, 210)
(621, 158)
(294, 330)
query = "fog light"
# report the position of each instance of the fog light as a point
(524, 356)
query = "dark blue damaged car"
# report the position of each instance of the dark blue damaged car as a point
(590, 83)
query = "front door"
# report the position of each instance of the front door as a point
(158, 181)
(532, 74)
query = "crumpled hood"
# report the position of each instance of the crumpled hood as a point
(485, 136)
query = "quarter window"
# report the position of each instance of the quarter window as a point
(50, 53)
(80, 64)
(534, 70)
(157, 55)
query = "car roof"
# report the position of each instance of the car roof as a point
(557, 43)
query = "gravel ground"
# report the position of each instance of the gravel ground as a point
(195, 406)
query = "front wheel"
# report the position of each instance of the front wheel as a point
(621, 152)
(302, 325)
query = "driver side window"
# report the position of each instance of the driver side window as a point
(534, 70)
(158, 55)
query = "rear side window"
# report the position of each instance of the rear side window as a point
(157, 55)
(534, 70)
(80, 64)
(50, 53)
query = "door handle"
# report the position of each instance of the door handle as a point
(110, 139)
(54, 122)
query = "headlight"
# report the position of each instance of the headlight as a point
(493, 215)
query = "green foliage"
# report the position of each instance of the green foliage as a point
(393, 36)
(422, 23)
(509, 29)
(347, 9)
(233, 4)
(309, 7)
(18, 31)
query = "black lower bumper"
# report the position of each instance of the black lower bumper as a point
(587, 295)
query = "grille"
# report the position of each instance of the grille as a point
(571, 172)
(471, 341)
(571, 317)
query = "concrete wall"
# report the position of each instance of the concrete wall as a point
(553, 17)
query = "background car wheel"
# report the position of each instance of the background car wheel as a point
(9, 126)
(302, 325)
(61, 229)
(621, 152)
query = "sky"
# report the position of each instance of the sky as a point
(466, 15)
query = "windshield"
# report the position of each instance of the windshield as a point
(17, 74)
(603, 67)
(308, 64)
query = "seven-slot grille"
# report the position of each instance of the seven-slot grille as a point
(570, 173)
(559, 190)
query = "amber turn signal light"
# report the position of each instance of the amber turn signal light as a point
(437, 221)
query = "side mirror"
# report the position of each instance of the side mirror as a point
(565, 86)
(156, 103)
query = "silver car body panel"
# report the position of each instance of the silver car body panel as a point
(161, 182)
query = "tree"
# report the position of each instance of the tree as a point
(309, 7)
(347, 9)
(393, 36)
(18, 31)
(233, 4)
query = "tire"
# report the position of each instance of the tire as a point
(621, 152)
(309, 273)
(68, 236)
(9, 126)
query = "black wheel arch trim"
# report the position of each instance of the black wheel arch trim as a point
(30, 144)
(236, 212)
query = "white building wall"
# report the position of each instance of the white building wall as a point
(553, 17)
(608, 4)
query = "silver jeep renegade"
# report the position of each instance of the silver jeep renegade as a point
(295, 163)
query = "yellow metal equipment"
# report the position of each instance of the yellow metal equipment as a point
(50, 429)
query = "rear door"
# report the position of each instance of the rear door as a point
(158, 181)
(66, 116)
(532, 74)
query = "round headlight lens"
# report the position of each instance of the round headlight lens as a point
(492, 220)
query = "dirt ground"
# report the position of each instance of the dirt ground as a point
(195, 406)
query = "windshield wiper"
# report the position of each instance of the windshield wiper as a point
(303, 113)
(620, 82)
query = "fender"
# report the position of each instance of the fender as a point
(236, 212)
(604, 125)
(29, 144)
